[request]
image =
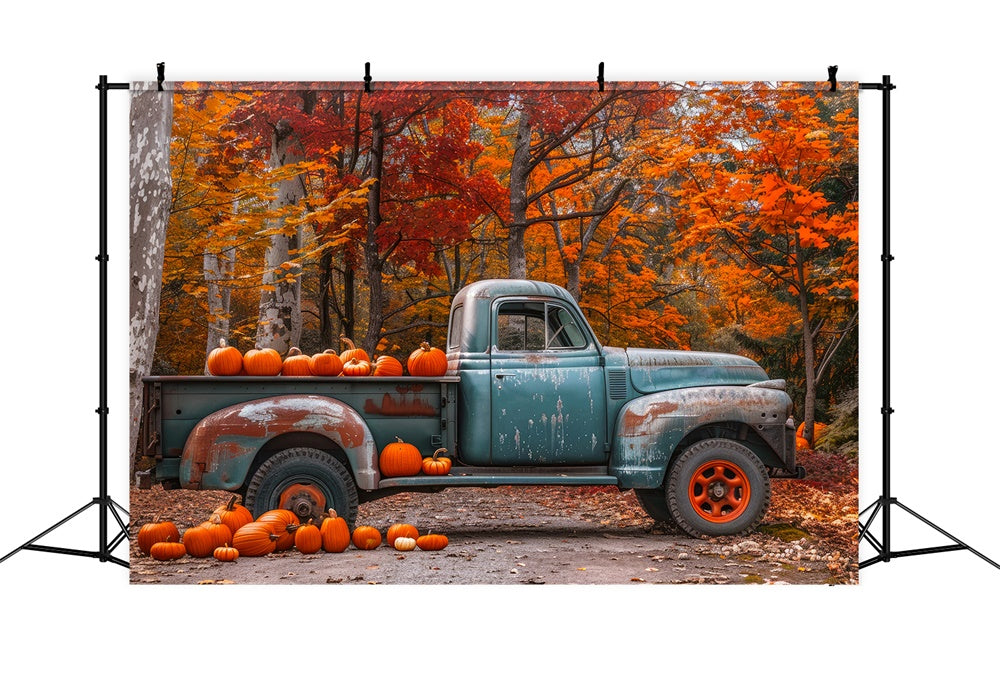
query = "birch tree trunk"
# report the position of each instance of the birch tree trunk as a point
(150, 120)
(218, 267)
(520, 169)
(280, 324)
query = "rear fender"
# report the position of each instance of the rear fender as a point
(221, 448)
(650, 428)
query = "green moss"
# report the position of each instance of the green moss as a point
(753, 579)
(785, 532)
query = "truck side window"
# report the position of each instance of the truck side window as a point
(521, 326)
(531, 326)
(455, 331)
(563, 330)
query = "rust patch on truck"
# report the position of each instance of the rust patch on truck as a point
(391, 407)
(223, 444)
(638, 422)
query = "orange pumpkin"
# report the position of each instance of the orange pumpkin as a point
(262, 362)
(157, 531)
(427, 361)
(802, 444)
(255, 539)
(221, 533)
(283, 524)
(199, 542)
(399, 459)
(336, 536)
(226, 553)
(435, 465)
(357, 368)
(308, 538)
(326, 364)
(167, 551)
(432, 542)
(234, 515)
(296, 364)
(224, 361)
(352, 351)
(401, 530)
(387, 366)
(366, 537)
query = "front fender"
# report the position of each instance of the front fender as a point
(222, 446)
(649, 428)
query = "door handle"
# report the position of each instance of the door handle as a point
(504, 374)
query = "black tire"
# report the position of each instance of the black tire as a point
(654, 502)
(717, 487)
(306, 466)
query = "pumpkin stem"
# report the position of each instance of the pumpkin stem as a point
(222, 343)
(232, 501)
(425, 346)
(216, 519)
(347, 342)
(332, 513)
(439, 451)
(398, 439)
(293, 351)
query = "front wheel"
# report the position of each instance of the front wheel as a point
(306, 481)
(717, 487)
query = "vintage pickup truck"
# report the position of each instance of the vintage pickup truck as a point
(531, 397)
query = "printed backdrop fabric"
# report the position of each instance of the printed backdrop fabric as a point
(678, 215)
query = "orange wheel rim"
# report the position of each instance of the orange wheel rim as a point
(719, 491)
(305, 499)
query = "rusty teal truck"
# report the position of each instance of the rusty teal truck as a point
(531, 397)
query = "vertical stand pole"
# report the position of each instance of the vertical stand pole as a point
(103, 501)
(885, 503)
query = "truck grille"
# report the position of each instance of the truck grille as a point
(617, 384)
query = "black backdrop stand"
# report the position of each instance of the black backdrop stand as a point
(886, 501)
(883, 504)
(103, 501)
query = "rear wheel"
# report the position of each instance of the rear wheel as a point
(717, 487)
(306, 481)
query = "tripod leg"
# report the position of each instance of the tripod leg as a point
(864, 534)
(27, 545)
(947, 534)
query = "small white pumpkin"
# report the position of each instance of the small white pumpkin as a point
(404, 544)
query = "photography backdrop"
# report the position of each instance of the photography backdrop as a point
(718, 216)
(458, 41)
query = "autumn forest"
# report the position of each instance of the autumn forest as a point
(680, 215)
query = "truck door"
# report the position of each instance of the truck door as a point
(548, 397)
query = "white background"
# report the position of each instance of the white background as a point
(932, 615)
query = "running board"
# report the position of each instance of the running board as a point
(482, 479)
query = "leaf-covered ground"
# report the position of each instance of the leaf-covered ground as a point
(809, 535)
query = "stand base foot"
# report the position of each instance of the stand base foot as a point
(885, 554)
(103, 554)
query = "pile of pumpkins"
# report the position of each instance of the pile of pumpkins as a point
(226, 360)
(232, 532)
(404, 459)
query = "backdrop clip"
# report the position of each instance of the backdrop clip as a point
(832, 71)
(600, 77)
(160, 68)
(368, 77)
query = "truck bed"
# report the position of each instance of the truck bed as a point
(420, 410)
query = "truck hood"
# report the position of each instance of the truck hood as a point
(662, 370)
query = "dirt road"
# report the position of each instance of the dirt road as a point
(507, 536)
